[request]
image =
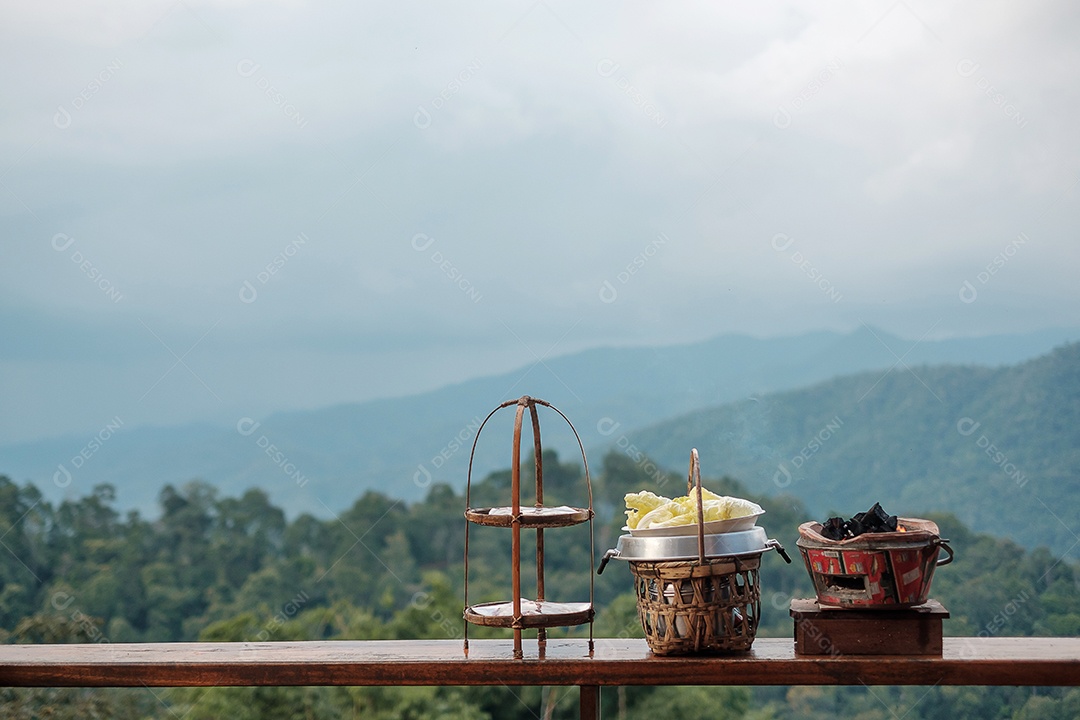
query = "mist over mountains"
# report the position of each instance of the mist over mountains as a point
(319, 461)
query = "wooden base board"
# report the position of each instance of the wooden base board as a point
(843, 631)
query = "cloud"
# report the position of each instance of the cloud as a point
(545, 150)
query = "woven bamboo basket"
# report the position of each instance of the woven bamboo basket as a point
(698, 606)
(703, 605)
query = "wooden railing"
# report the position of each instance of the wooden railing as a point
(771, 661)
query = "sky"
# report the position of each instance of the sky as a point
(215, 209)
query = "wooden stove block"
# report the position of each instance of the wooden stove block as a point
(844, 631)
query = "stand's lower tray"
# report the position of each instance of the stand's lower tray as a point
(534, 614)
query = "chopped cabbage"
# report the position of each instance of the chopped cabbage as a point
(647, 510)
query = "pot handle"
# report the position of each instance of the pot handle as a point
(944, 545)
(775, 545)
(604, 560)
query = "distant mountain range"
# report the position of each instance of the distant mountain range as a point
(319, 461)
(1000, 447)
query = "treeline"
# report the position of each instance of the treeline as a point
(236, 569)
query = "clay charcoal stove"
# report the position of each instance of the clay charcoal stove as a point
(873, 560)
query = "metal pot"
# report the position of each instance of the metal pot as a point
(685, 547)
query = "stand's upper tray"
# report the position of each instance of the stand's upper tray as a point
(531, 516)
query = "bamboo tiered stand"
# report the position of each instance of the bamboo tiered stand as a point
(518, 613)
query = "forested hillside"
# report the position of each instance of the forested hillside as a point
(233, 569)
(1000, 448)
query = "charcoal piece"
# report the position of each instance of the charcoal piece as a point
(856, 526)
(880, 519)
(834, 528)
(874, 520)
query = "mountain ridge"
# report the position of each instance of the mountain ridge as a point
(316, 460)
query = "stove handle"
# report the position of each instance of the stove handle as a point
(944, 545)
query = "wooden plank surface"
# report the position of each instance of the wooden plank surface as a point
(772, 661)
